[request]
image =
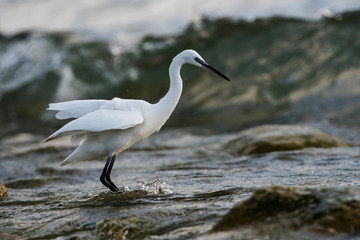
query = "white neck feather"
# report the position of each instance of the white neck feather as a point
(171, 99)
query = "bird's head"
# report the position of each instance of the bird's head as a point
(192, 57)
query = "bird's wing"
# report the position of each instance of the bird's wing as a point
(76, 108)
(98, 121)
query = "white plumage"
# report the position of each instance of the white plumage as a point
(108, 127)
(105, 120)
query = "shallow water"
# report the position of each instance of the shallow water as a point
(176, 186)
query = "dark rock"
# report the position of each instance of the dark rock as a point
(311, 211)
(262, 204)
(272, 138)
(344, 218)
(117, 229)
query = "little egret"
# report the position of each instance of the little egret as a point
(104, 128)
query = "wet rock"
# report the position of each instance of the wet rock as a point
(314, 212)
(3, 192)
(344, 218)
(271, 138)
(114, 199)
(118, 229)
(262, 204)
(30, 183)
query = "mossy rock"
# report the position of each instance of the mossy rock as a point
(272, 138)
(118, 229)
(3, 192)
(312, 211)
(262, 204)
(344, 218)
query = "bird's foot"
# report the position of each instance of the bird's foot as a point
(108, 183)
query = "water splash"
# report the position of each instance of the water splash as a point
(157, 187)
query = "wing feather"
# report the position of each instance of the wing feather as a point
(79, 108)
(98, 121)
(76, 108)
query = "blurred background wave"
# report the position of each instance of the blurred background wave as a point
(290, 62)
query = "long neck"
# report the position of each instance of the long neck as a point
(170, 100)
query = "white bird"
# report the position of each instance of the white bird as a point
(104, 128)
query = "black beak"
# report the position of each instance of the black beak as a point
(205, 65)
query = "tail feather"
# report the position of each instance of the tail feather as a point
(74, 157)
(82, 153)
(58, 134)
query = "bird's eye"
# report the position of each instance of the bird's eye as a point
(196, 59)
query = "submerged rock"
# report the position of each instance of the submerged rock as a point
(3, 192)
(118, 229)
(281, 209)
(272, 138)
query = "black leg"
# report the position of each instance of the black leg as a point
(105, 175)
